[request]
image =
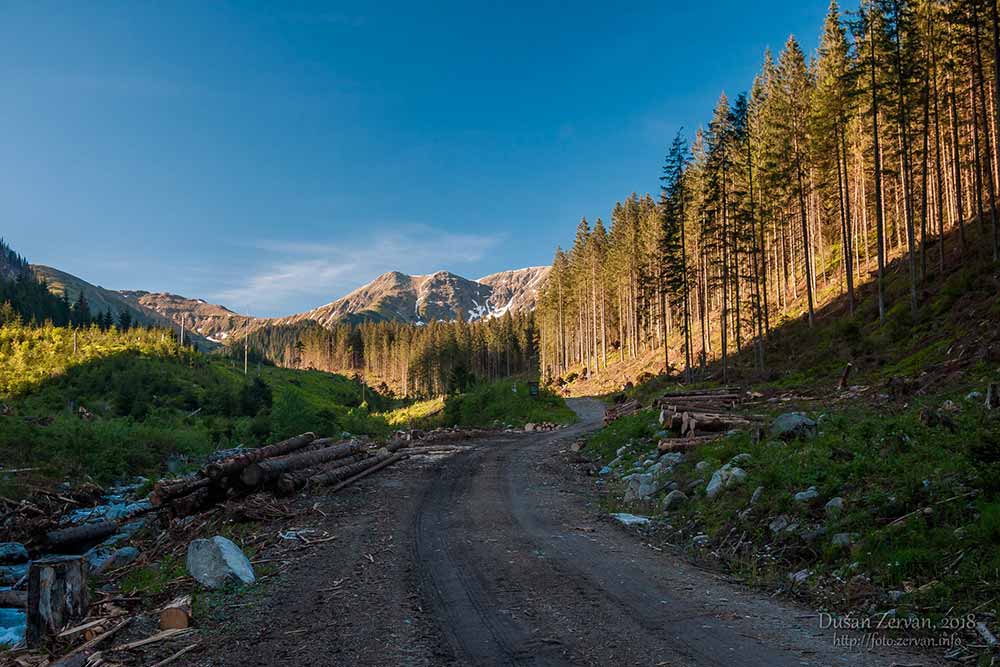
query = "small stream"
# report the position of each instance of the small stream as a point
(117, 504)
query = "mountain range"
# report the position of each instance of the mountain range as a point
(393, 296)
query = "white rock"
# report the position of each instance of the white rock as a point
(779, 523)
(807, 496)
(630, 519)
(641, 487)
(834, 506)
(217, 561)
(799, 577)
(724, 478)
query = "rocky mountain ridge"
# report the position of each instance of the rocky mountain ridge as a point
(393, 296)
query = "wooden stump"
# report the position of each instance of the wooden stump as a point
(57, 596)
(177, 614)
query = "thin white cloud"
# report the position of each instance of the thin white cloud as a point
(299, 274)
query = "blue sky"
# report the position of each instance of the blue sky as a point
(272, 156)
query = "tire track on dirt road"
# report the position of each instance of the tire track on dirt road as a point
(511, 581)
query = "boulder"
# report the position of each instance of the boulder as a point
(741, 459)
(834, 506)
(812, 534)
(757, 493)
(724, 478)
(630, 519)
(807, 496)
(12, 553)
(779, 523)
(792, 425)
(672, 458)
(641, 487)
(217, 561)
(674, 499)
(844, 539)
(799, 577)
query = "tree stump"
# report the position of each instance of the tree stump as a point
(177, 614)
(57, 595)
(993, 396)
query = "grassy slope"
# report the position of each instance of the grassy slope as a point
(952, 331)
(421, 414)
(112, 404)
(144, 399)
(905, 439)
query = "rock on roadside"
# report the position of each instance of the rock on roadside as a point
(723, 478)
(217, 561)
(642, 486)
(674, 499)
(792, 425)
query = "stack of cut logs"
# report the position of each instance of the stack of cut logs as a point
(621, 410)
(700, 416)
(285, 468)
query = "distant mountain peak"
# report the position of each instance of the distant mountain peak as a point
(442, 295)
(392, 296)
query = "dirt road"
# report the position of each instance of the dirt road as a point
(500, 556)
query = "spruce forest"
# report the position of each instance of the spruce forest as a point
(404, 359)
(883, 145)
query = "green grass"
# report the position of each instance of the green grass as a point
(629, 429)
(885, 464)
(421, 414)
(122, 403)
(506, 402)
(154, 579)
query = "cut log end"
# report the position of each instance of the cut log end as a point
(177, 615)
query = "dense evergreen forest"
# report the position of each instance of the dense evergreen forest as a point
(24, 298)
(883, 144)
(408, 360)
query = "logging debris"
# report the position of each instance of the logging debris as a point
(244, 486)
